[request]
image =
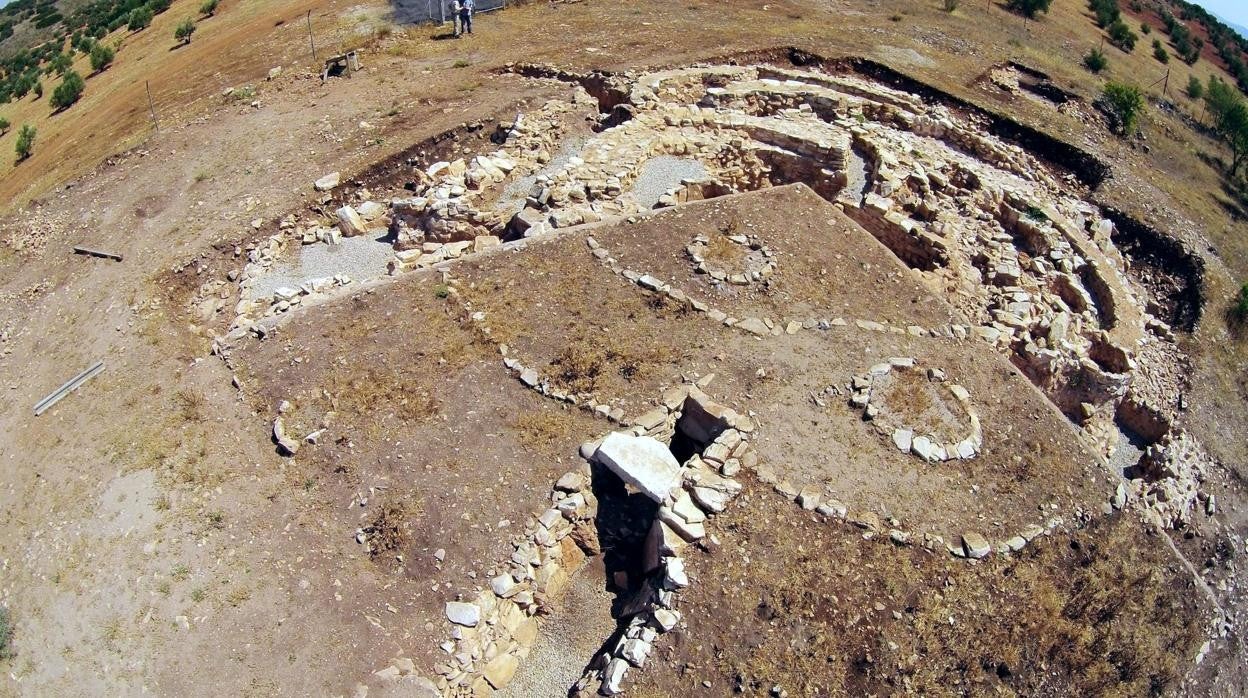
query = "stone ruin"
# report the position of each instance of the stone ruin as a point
(1015, 244)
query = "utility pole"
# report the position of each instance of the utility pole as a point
(151, 105)
(311, 40)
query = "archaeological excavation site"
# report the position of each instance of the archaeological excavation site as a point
(606, 353)
(818, 292)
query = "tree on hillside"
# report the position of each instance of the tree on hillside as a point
(25, 142)
(1106, 12)
(1095, 60)
(1195, 88)
(1126, 103)
(4, 125)
(60, 63)
(68, 92)
(101, 57)
(209, 8)
(1120, 35)
(1029, 8)
(1229, 112)
(184, 30)
(140, 18)
(1159, 51)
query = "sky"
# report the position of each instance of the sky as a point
(1232, 10)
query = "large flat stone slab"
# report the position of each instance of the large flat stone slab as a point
(641, 461)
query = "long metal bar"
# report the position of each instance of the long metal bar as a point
(69, 387)
(97, 253)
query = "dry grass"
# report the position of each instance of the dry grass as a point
(545, 428)
(388, 530)
(1102, 613)
(191, 403)
(724, 252)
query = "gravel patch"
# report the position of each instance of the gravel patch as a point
(857, 185)
(362, 258)
(520, 188)
(662, 173)
(1128, 453)
(568, 638)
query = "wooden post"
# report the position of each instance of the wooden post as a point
(152, 105)
(1165, 87)
(311, 40)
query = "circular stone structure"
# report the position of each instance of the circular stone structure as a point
(922, 413)
(731, 258)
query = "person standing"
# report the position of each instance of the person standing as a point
(456, 25)
(466, 10)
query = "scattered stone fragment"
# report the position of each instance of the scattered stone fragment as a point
(465, 614)
(975, 545)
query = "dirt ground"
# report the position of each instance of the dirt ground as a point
(1099, 613)
(155, 542)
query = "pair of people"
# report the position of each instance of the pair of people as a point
(461, 14)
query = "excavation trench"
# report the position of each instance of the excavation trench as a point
(1173, 275)
(586, 626)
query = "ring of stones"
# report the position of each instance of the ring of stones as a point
(919, 439)
(757, 261)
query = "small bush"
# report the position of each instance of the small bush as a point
(38, 90)
(1120, 35)
(950, 5)
(1029, 8)
(6, 635)
(1159, 51)
(1145, 29)
(140, 18)
(1095, 60)
(68, 92)
(461, 63)
(25, 142)
(101, 57)
(1106, 12)
(1126, 104)
(184, 30)
(1241, 304)
(4, 125)
(209, 8)
(1195, 88)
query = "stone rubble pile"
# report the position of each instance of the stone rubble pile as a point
(1170, 476)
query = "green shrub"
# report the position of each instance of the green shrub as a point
(101, 57)
(1029, 8)
(1159, 51)
(1095, 60)
(1126, 104)
(6, 635)
(1145, 29)
(61, 63)
(950, 5)
(37, 90)
(68, 92)
(1195, 88)
(140, 18)
(1106, 12)
(1120, 35)
(4, 125)
(209, 8)
(184, 30)
(25, 142)
(1241, 304)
